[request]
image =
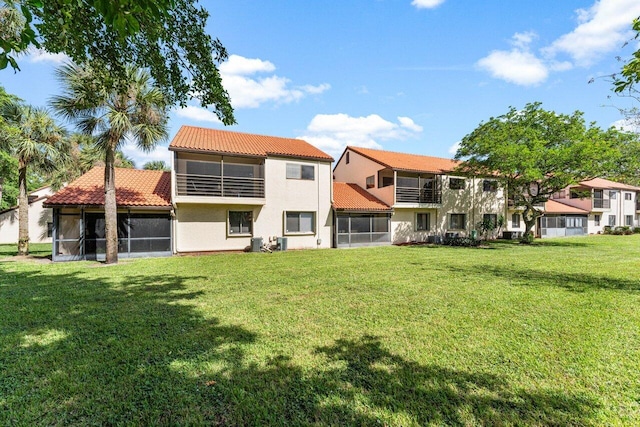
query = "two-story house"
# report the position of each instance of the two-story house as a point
(594, 204)
(229, 187)
(427, 199)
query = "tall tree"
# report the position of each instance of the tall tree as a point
(535, 153)
(136, 110)
(167, 37)
(36, 141)
(630, 74)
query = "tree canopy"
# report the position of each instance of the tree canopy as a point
(630, 74)
(167, 37)
(535, 153)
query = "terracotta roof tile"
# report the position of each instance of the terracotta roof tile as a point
(607, 184)
(352, 197)
(134, 187)
(221, 141)
(407, 162)
(555, 207)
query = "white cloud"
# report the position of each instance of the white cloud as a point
(249, 91)
(41, 55)
(333, 132)
(426, 4)
(515, 66)
(627, 125)
(601, 29)
(140, 157)
(198, 114)
(454, 148)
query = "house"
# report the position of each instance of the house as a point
(588, 207)
(40, 219)
(428, 200)
(144, 206)
(230, 187)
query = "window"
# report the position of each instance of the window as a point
(612, 220)
(240, 223)
(456, 183)
(627, 196)
(596, 220)
(347, 159)
(297, 171)
(387, 181)
(489, 185)
(574, 194)
(422, 222)
(612, 194)
(515, 220)
(598, 194)
(49, 229)
(300, 222)
(457, 221)
(493, 218)
(628, 220)
(371, 181)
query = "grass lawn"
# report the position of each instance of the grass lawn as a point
(546, 334)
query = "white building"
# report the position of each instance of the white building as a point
(40, 220)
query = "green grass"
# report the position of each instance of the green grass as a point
(547, 334)
(36, 250)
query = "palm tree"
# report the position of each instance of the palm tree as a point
(156, 165)
(35, 140)
(134, 109)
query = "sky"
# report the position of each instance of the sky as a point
(412, 76)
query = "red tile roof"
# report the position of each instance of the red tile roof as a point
(556, 207)
(190, 138)
(607, 184)
(134, 187)
(352, 197)
(407, 162)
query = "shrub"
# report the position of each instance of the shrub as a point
(461, 241)
(526, 238)
(606, 229)
(636, 230)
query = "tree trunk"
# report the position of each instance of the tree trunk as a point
(530, 215)
(110, 208)
(1, 184)
(23, 211)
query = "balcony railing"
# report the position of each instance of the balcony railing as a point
(218, 186)
(601, 203)
(418, 195)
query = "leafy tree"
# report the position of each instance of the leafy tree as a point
(8, 180)
(535, 153)
(167, 37)
(37, 142)
(137, 111)
(156, 165)
(630, 74)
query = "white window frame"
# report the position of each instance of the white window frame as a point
(295, 171)
(299, 215)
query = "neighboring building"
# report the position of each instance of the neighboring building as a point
(230, 187)
(426, 198)
(40, 220)
(590, 206)
(143, 198)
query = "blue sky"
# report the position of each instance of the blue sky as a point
(402, 75)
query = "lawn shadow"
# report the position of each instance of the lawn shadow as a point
(78, 351)
(576, 282)
(364, 384)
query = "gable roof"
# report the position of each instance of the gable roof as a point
(607, 184)
(407, 162)
(556, 207)
(352, 197)
(191, 138)
(134, 188)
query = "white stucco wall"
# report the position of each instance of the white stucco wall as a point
(357, 171)
(203, 227)
(38, 219)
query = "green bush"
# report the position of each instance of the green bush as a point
(606, 229)
(527, 238)
(461, 241)
(636, 230)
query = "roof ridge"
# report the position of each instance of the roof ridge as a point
(241, 133)
(404, 154)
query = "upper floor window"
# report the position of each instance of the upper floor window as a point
(574, 194)
(612, 194)
(627, 196)
(489, 185)
(347, 158)
(371, 181)
(298, 171)
(456, 183)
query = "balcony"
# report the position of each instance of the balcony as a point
(419, 190)
(218, 186)
(601, 203)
